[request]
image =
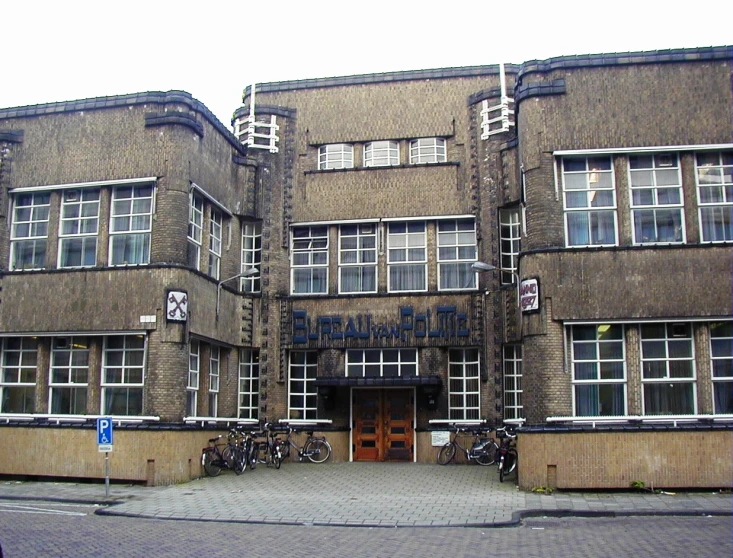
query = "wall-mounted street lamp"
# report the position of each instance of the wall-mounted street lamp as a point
(483, 267)
(246, 273)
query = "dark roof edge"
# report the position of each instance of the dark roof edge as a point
(158, 97)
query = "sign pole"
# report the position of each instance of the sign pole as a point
(106, 474)
(104, 444)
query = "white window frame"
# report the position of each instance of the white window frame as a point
(385, 153)
(456, 250)
(599, 362)
(593, 176)
(66, 377)
(126, 370)
(131, 218)
(407, 242)
(19, 372)
(381, 363)
(658, 168)
(721, 359)
(194, 373)
(427, 151)
(249, 384)
(336, 156)
(362, 253)
(216, 223)
(308, 409)
(30, 228)
(251, 257)
(510, 236)
(669, 338)
(214, 379)
(464, 384)
(715, 195)
(512, 357)
(309, 247)
(84, 224)
(195, 229)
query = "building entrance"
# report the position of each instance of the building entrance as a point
(383, 424)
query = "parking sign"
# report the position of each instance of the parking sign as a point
(104, 433)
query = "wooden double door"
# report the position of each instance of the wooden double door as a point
(383, 424)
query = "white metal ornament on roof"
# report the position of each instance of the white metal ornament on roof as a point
(257, 135)
(497, 118)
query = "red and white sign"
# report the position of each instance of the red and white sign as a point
(529, 295)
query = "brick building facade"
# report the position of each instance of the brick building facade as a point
(318, 264)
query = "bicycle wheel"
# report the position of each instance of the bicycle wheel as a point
(501, 468)
(262, 453)
(318, 450)
(240, 460)
(252, 457)
(447, 453)
(227, 455)
(513, 457)
(210, 467)
(489, 457)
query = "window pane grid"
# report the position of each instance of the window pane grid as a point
(463, 384)
(309, 252)
(68, 380)
(358, 258)
(715, 195)
(457, 245)
(123, 373)
(379, 363)
(407, 242)
(513, 382)
(249, 384)
(656, 198)
(195, 230)
(721, 356)
(194, 359)
(130, 225)
(251, 256)
(427, 150)
(215, 227)
(381, 154)
(336, 156)
(589, 199)
(303, 400)
(79, 228)
(29, 231)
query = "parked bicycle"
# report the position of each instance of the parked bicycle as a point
(507, 456)
(315, 448)
(483, 449)
(269, 446)
(221, 454)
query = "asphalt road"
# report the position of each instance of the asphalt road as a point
(51, 529)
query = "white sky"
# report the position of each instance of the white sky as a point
(63, 50)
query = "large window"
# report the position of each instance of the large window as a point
(69, 378)
(456, 253)
(668, 369)
(358, 258)
(251, 256)
(192, 387)
(195, 229)
(721, 363)
(18, 375)
(79, 228)
(427, 150)
(303, 401)
(381, 154)
(407, 256)
(715, 195)
(123, 373)
(214, 374)
(513, 382)
(310, 260)
(589, 201)
(215, 228)
(463, 384)
(656, 198)
(336, 156)
(381, 363)
(130, 225)
(249, 384)
(599, 371)
(29, 233)
(510, 235)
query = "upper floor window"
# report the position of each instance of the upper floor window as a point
(79, 228)
(358, 258)
(427, 150)
(715, 195)
(29, 233)
(407, 256)
(130, 225)
(721, 362)
(656, 198)
(123, 375)
(381, 154)
(336, 156)
(69, 378)
(215, 227)
(18, 369)
(509, 237)
(589, 201)
(195, 230)
(456, 253)
(251, 256)
(310, 260)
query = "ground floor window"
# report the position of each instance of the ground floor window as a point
(69, 377)
(302, 371)
(192, 389)
(463, 384)
(513, 382)
(214, 371)
(249, 383)
(721, 363)
(381, 363)
(18, 375)
(123, 373)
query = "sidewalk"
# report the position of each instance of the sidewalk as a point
(363, 494)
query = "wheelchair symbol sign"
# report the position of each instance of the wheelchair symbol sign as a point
(104, 431)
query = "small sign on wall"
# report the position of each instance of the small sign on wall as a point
(439, 438)
(529, 294)
(176, 306)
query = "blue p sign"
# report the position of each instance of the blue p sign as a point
(104, 431)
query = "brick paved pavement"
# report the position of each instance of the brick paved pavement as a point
(363, 494)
